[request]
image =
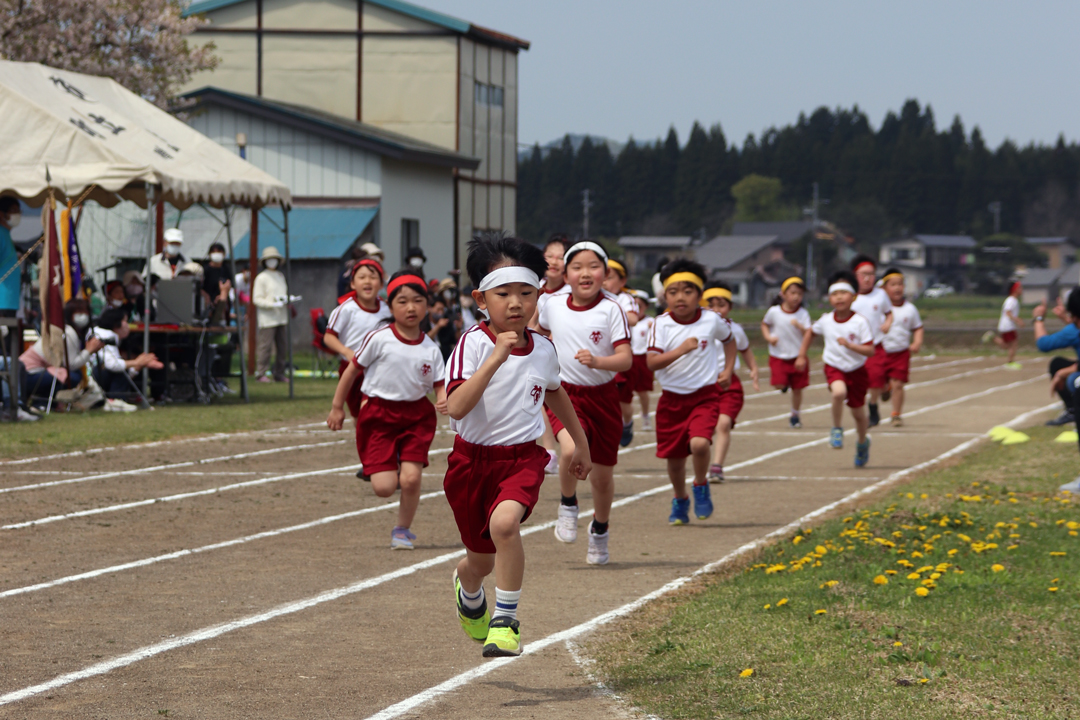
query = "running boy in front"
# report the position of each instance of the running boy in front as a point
(498, 379)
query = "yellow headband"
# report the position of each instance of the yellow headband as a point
(791, 281)
(893, 274)
(716, 293)
(684, 277)
(617, 266)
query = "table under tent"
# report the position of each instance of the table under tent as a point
(70, 137)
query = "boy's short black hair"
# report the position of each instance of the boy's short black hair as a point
(844, 276)
(559, 238)
(1072, 302)
(9, 204)
(215, 246)
(860, 259)
(683, 265)
(112, 318)
(488, 249)
(718, 284)
(420, 288)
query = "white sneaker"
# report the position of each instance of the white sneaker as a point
(646, 423)
(1072, 487)
(117, 405)
(24, 416)
(552, 468)
(566, 524)
(598, 554)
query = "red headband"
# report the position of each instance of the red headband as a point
(865, 262)
(404, 280)
(368, 262)
(1012, 288)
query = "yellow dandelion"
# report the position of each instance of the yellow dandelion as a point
(1057, 554)
(747, 672)
(1012, 547)
(1052, 589)
(797, 539)
(890, 572)
(820, 550)
(935, 575)
(1055, 581)
(898, 644)
(830, 583)
(914, 576)
(768, 605)
(916, 554)
(953, 552)
(923, 681)
(781, 602)
(910, 496)
(820, 612)
(881, 580)
(997, 567)
(921, 591)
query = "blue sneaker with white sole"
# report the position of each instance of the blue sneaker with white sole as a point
(627, 434)
(703, 506)
(836, 438)
(680, 511)
(862, 453)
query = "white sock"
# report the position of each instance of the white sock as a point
(472, 601)
(506, 603)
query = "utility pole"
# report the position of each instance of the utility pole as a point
(811, 279)
(995, 207)
(585, 205)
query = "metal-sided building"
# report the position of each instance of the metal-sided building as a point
(391, 65)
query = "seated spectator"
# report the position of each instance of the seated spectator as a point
(112, 329)
(1065, 379)
(114, 294)
(134, 287)
(40, 373)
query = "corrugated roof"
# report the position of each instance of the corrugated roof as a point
(1047, 240)
(724, 251)
(415, 11)
(314, 232)
(788, 231)
(334, 127)
(946, 241)
(658, 241)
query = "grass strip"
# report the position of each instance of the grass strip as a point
(955, 596)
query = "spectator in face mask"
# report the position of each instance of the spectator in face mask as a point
(168, 264)
(270, 296)
(39, 373)
(115, 295)
(415, 259)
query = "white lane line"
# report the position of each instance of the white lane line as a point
(191, 494)
(410, 704)
(830, 478)
(884, 432)
(289, 608)
(169, 466)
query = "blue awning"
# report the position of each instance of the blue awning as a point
(314, 233)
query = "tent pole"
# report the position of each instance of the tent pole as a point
(253, 269)
(239, 315)
(288, 291)
(147, 289)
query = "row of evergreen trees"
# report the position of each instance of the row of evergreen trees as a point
(907, 176)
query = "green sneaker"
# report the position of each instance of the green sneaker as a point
(503, 638)
(473, 622)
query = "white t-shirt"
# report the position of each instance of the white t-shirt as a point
(856, 329)
(905, 321)
(109, 356)
(545, 294)
(741, 343)
(697, 368)
(510, 411)
(598, 328)
(639, 336)
(875, 306)
(1011, 305)
(399, 369)
(779, 322)
(627, 302)
(350, 322)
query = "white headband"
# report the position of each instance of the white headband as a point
(838, 286)
(507, 275)
(585, 245)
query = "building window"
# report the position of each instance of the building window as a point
(489, 95)
(410, 236)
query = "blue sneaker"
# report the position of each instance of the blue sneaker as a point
(680, 511)
(703, 506)
(627, 434)
(836, 438)
(862, 453)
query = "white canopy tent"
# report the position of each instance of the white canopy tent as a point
(80, 136)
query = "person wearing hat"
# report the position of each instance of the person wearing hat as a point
(374, 252)
(270, 296)
(168, 263)
(415, 259)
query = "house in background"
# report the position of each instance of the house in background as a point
(929, 259)
(643, 253)
(1059, 251)
(393, 65)
(786, 232)
(753, 266)
(1040, 283)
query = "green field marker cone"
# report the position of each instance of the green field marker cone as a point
(1015, 439)
(1069, 436)
(999, 433)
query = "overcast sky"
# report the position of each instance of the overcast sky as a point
(618, 68)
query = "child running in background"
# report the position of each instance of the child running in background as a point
(615, 283)
(785, 325)
(498, 379)
(396, 424)
(718, 297)
(553, 283)
(905, 337)
(593, 342)
(358, 312)
(640, 376)
(682, 353)
(848, 342)
(873, 304)
(1010, 320)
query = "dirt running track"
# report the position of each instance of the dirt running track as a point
(249, 575)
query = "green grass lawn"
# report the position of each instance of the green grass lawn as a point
(954, 595)
(270, 406)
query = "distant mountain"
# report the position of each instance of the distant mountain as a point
(614, 146)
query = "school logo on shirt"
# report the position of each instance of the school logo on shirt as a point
(704, 344)
(595, 336)
(536, 392)
(425, 370)
(851, 337)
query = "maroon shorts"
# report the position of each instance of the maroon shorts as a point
(857, 383)
(1008, 337)
(782, 373)
(355, 396)
(897, 365)
(681, 417)
(875, 368)
(479, 477)
(731, 400)
(625, 388)
(641, 377)
(598, 411)
(390, 432)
